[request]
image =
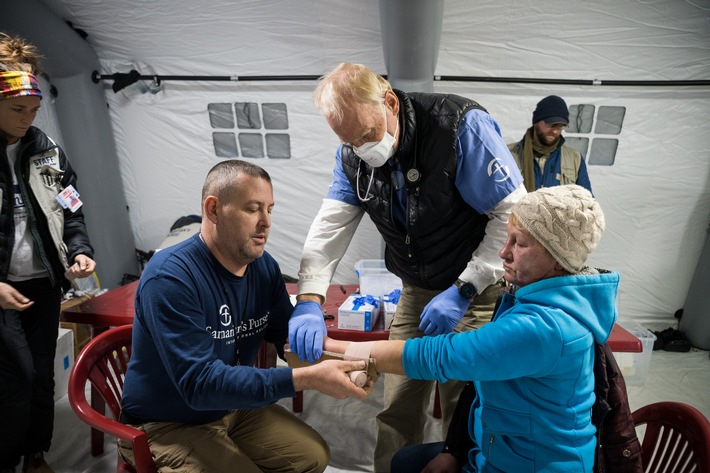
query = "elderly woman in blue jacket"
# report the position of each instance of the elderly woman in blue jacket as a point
(533, 365)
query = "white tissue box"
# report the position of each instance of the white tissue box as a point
(388, 308)
(63, 361)
(359, 313)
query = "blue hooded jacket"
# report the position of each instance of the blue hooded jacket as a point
(533, 370)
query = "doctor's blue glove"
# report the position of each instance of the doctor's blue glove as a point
(306, 330)
(443, 312)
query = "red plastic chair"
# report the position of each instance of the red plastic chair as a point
(677, 438)
(103, 363)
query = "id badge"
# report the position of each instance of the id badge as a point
(69, 199)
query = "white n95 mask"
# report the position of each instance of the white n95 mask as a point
(376, 153)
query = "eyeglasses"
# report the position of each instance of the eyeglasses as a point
(557, 126)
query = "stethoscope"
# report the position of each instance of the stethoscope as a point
(369, 186)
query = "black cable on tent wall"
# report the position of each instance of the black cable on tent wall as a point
(514, 80)
(122, 80)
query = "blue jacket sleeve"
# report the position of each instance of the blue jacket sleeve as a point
(340, 189)
(486, 172)
(497, 351)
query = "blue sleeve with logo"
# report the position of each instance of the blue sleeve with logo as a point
(340, 189)
(486, 171)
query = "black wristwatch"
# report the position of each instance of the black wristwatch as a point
(466, 289)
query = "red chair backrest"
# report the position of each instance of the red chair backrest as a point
(104, 362)
(677, 438)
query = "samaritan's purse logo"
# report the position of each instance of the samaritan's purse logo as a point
(225, 317)
(498, 171)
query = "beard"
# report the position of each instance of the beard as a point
(549, 140)
(248, 251)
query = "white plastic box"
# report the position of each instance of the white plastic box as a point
(63, 362)
(361, 316)
(374, 278)
(634, 366)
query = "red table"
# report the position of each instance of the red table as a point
(621, 340)
(110, 309)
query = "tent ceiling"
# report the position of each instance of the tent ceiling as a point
(602, 39)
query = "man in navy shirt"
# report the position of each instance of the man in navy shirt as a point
(203, 308)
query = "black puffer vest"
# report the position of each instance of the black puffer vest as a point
(442, 230)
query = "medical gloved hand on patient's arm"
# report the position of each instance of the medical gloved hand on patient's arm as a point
(443, 312)
(306, 330)
(386, 353)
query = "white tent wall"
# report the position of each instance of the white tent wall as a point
(170, 149)
(656, 195)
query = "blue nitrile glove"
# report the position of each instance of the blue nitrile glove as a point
(443, 312)
(306, 330)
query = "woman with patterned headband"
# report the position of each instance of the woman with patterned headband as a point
(43, 244)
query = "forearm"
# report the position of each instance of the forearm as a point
(326, 243)
(388, 356)
(386, 353)
(304, 378)
(486, 267)
(317, 298)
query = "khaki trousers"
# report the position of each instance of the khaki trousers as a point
(245, 441)
(406, 401)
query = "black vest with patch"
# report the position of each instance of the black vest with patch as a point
(442, 230)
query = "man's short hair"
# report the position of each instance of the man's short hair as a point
(220, 179)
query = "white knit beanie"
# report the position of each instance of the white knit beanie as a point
(566, 220)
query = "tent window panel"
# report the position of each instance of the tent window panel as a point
(275, 116)
(225, 145)
(248, 115)
(609, 120)
(581, 118)
(580, 144)
(603, 151)
(221, 115)
(252, 145)
(278, 146)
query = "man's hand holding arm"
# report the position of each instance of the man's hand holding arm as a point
(331, 377)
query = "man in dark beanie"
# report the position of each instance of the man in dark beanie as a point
(542, 156)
